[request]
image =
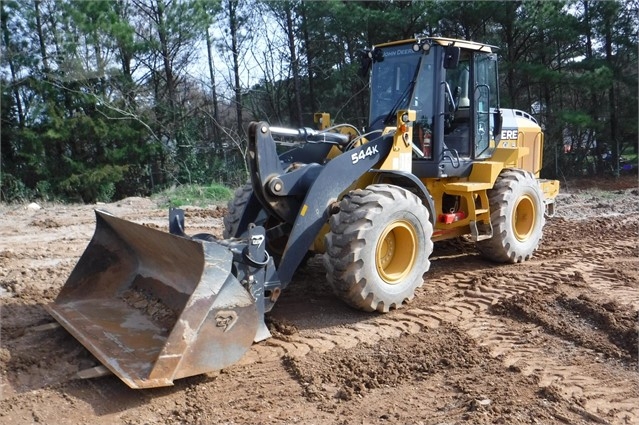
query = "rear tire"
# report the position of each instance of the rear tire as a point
(378, 246)
(517, 216)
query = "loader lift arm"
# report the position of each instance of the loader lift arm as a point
(321, 185)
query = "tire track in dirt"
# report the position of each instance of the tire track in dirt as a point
(581, 374)
(614, 283)
(581, 377)
(474, 293)
(467, 307)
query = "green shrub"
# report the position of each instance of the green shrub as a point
(43, 190)
(94, 185)
(14, 190)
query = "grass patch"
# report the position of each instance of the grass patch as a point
(199, 196)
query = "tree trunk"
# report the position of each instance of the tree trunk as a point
(216, 116)
(297, 103)
(12, 68)
(233, 28)
(594, 105)
(309, 59)
(164, 49)
(126, 57)
(611, 96)
(43, 50)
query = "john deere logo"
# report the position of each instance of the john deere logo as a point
(509, 134)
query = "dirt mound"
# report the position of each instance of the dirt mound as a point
(387, 364)
(462, 378)
(599, 325)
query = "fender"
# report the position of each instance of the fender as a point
(408, 180)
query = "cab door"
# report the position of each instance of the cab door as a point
(486, 102)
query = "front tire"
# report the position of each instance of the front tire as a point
(235, 208)
(242, 202)
(517, 215)
(378, 246)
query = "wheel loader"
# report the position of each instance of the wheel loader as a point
(439, 159)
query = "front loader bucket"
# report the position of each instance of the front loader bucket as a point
(154, 307)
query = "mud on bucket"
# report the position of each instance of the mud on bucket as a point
(154, 307)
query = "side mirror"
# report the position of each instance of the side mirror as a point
(451, 57)
(365, 62)
(498, 119)
(378, 55)
(367, 57)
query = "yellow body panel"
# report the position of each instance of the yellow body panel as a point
(472, 201)
(322, 120)
(400, 157)
(550, 188)
(530, 137)
(522, 151)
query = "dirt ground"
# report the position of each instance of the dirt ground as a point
(550, 341)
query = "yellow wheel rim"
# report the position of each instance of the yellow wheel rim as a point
(524, 217)
(396, 252)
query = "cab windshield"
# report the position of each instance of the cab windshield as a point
(402, 80)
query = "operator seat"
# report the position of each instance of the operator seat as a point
(458, 138)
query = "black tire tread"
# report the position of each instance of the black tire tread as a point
(346, 271)
(498, 248)
(235, 209)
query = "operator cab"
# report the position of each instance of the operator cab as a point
(452, 86)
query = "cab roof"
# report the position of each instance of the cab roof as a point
(443, 41)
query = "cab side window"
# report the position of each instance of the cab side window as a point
(486, 101)
(457, 109)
